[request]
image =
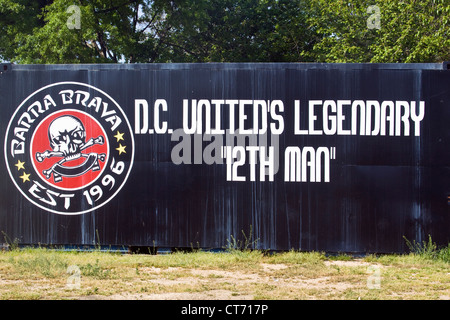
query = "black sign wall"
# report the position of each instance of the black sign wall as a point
(329, 157)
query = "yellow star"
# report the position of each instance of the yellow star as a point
(121, 149)
(19, 165)
(25, 177)
(119, 136)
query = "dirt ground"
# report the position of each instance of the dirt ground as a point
(235, 278)
(257, 280)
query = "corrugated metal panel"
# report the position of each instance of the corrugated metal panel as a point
(381, 187)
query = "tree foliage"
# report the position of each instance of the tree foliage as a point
(409, 31)
(136, 31)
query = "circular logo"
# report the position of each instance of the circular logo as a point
(69, 148)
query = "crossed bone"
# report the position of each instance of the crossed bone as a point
(49, 154)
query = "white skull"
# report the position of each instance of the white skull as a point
(67, 134)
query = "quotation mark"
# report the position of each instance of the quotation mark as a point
(333, 153)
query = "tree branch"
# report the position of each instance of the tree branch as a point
(116, 7)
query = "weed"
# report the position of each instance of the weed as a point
(11, 244)
(341, 257)
(48, 264)
(95, 270)
(429, 250)
(97, 245)
(444, 254)
(425, 249)
(298, 257)
(242, 245)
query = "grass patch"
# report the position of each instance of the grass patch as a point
(43, 274)
(428, 249)
(296, 257)
(37, 262)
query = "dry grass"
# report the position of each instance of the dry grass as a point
(42, 274)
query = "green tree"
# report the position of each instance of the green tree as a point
(409, 31)
(155, 31)
(132, 31)
(17, 18)
(111, 31)
(233, 31)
